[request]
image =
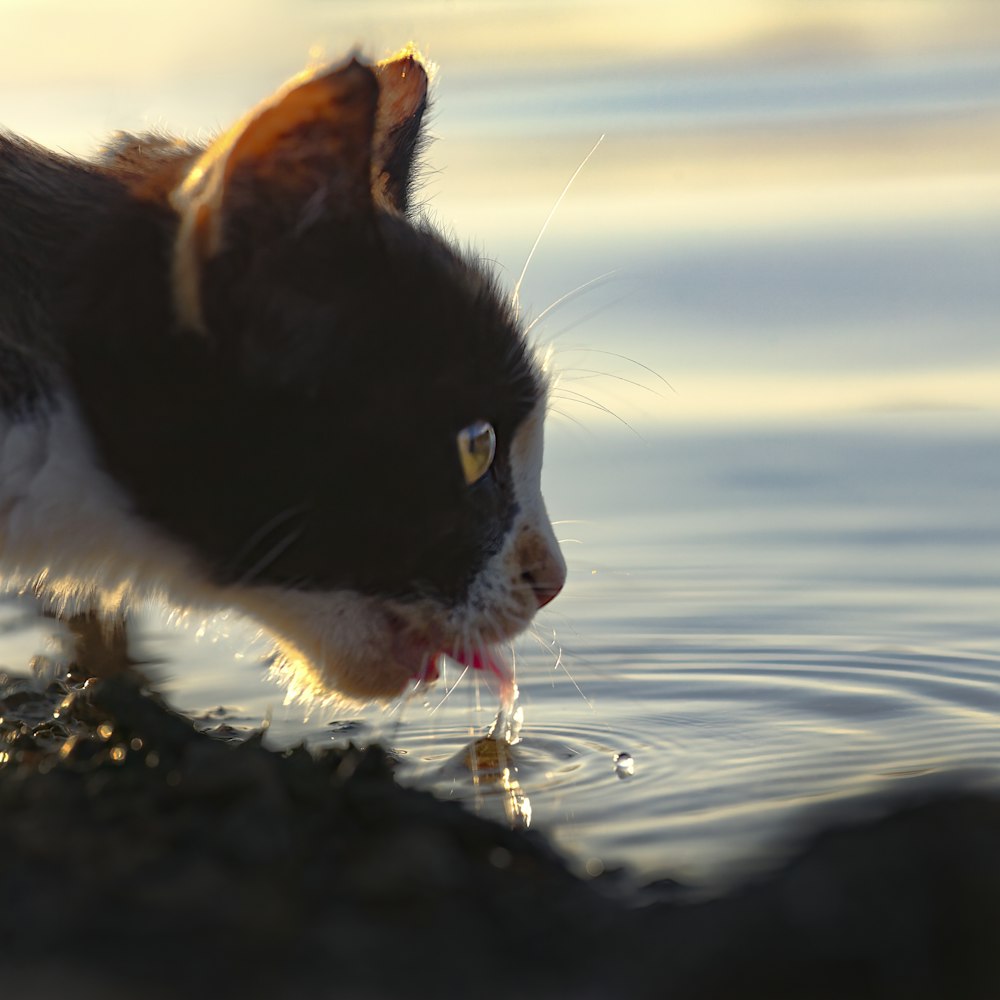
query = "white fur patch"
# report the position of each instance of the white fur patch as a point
(66, 529)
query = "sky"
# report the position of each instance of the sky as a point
(794, 205)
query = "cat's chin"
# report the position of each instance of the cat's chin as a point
(347, 647)
(362, 679)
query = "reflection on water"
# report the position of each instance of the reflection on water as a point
(785, 577)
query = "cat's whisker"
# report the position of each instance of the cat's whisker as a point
(478, 707)
(270, 525)
(586, 318)
(571, 419)
(448, 693)
(560, 664)
(592, 373)
(271, 555)
(569, 296)
(397, 710)
(516, 297)
(513, 662)
(567, 394)
(399, 706)
(571, 396)
(621, 357)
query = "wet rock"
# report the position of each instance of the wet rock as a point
(142, 857)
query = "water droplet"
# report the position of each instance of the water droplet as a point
(105, 730)
(624, 765)
(118, 753)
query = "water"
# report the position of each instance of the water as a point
(762, 620)
(784, 566)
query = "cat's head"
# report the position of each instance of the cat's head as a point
(296, 379)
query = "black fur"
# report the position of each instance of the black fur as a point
(48, 205)
(339, 368)
(306, 435)
(407, 143)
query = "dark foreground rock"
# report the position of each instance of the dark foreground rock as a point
(142, 858)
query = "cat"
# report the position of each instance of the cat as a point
(250, 374)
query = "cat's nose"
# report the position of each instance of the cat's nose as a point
(542, 566)
(546, 580)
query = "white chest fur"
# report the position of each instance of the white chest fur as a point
(66, 529)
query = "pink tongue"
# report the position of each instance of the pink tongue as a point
(485, 659)
(482, 659)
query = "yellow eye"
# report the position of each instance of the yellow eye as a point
(477, 444)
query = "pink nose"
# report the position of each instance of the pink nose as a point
(546, 594)
(542, 566)
(546, 583)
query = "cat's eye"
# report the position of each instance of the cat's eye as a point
(477, 444)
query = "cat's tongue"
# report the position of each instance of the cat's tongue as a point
(486, 659)
(483, 659)
(490, 661)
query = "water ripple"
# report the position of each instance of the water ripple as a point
(727, 748)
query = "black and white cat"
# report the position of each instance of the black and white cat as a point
(249, 375)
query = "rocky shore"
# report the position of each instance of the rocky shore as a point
(140, 857)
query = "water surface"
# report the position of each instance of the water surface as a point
(784, 565)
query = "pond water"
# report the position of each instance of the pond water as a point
(784, 564)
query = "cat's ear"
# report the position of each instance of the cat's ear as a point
(402, 101)
(326, 146)
(308, 153)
